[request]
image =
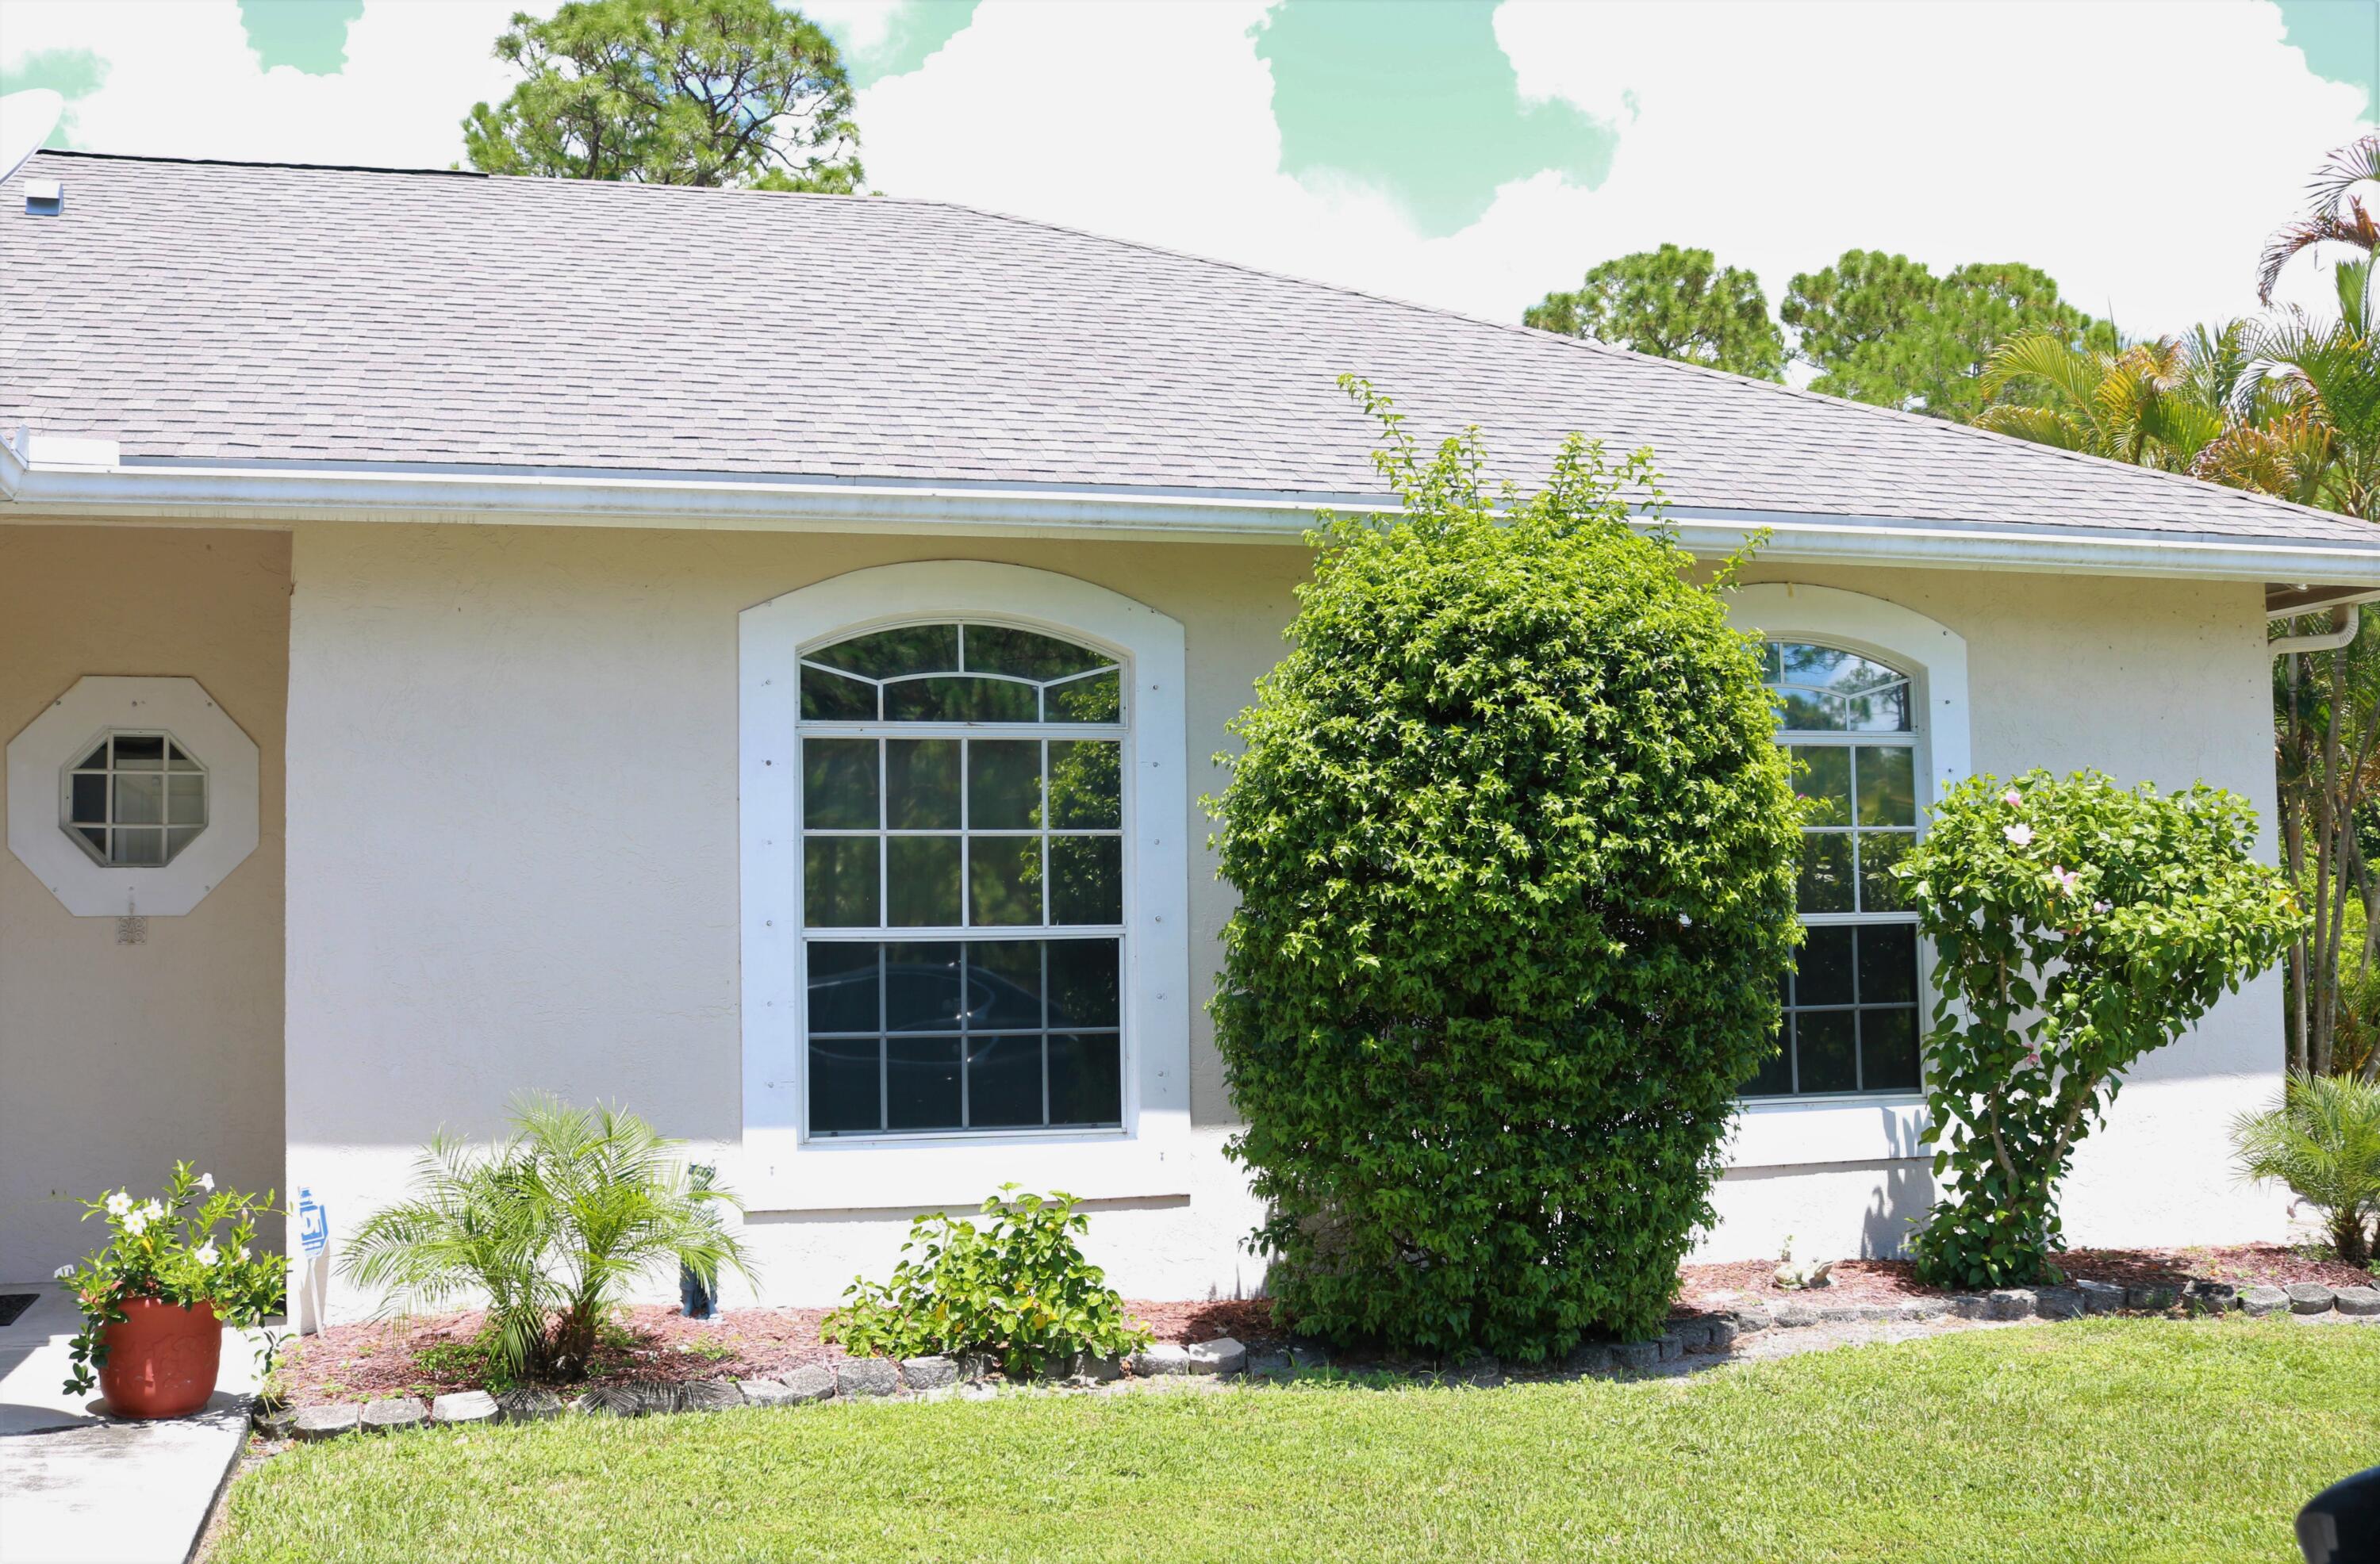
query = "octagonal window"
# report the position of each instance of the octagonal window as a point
(135, 798)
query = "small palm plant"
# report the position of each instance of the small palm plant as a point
(551, 1227)
(2324, 1142)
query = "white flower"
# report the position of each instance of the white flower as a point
(2012, 799)
(2065, 879)
(2102, 906)
(135, 1222)
(154, 1211)
(118, 1204)
(63, 1272)
(207, 1182)
(242, 1256)
(207, 1253)
(2019, 834)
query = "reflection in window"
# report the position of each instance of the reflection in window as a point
(135, 800)
(1851, 1002)
(963, 888)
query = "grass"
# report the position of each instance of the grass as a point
(2115, 1439)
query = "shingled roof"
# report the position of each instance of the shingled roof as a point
(264, 314)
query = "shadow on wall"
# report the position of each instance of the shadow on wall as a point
(1903, 1196)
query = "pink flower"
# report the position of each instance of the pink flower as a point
(2019, 834)
(2102, 906)
(2033, 1057)
(2012, 799)
(2064, 879)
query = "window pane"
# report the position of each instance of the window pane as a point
(1824, 776)
(839, 882)
(1822, 967)
(921, 988)
(1005, 881)
(1826, 872)
(960, 699)
(996, 649)
(1086, 879)
(844, 1085)
(1085, 783)
(1082, 982)
(94, 761)
(1888, 965)
(1003, 784)
(843, 987)
(179, 837)
(1880, 712)
(140, 798)
(1099, 699)
(1004, 1081)
(1775, 1077)
(1003, 985)
(921, 784)
(185, 799)
(1085, 1079)
(913, 649)
(922, 873)
(137, 847)
(921, 1082)
(1823, 1043)
(1887, 790)
(830, 698)
(1889, 1049)
(839, 784)
(1809, 711)
(178, 760)
(90, 800)
(97, 837)
(140, 752)
(1879, 851)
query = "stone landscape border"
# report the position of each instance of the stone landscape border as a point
(852, 1379)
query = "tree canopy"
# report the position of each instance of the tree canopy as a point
(1672, 303)
(1884, 329)
(672, 93)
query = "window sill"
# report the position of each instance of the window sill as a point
(1789, 1131)
(957, 1175)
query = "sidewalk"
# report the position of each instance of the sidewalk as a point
(80, 1488)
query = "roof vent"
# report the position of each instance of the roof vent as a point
(44, 198)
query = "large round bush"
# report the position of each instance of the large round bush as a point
(1513, 845)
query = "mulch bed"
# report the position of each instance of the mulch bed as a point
(659, 1345)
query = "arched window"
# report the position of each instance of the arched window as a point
(963, 908)
(1849, 723)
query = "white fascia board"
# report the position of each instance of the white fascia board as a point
(146, 492)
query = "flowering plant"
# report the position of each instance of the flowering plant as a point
(196, 1245)
(2076, 925)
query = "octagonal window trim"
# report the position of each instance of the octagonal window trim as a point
(134, 797)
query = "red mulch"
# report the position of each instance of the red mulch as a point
(658, 1345)
(1886, 1282)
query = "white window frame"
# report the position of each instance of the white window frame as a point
(40, 756)
(1873, 1126)
(783, 1168)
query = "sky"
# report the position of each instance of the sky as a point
(1464, 154)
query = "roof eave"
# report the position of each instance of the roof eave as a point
(269, 494)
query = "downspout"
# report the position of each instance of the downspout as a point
(2345, 620)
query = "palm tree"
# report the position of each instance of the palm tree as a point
(2333, 187)
(550, 1229)
(2149, 403)
(2324, 1142)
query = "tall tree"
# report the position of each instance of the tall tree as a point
(1884, 329)
(673, 92)
(2334, 212)
(2146, 405)
(1672, 303)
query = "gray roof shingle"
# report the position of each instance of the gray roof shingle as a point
(266, 313)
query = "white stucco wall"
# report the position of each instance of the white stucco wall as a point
(115, 1060)
(512, 835)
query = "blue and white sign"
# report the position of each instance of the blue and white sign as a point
(313, 1224)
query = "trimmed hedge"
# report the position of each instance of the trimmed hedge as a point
(1516, 849)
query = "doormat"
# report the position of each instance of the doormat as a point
(15, 1303)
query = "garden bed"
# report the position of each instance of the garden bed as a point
(1892, 1281)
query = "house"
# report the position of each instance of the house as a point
(466, 634)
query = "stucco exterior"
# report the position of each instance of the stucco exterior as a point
(513, 849)
(117, 1058)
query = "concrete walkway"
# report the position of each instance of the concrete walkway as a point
(77, 1486)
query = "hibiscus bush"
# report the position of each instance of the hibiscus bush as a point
(195, 1245)
(1515, 847)
(2076, 925)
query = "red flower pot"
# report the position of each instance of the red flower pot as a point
(162, 1358)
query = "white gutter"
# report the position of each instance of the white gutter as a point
(2345, 620)
(82, 478)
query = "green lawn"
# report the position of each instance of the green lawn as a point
(2115, 1439)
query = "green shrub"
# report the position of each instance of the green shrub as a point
(1017, 1289)
(2323, 1141)
(2076, 925)
(549, 1231)
(1514, 849)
